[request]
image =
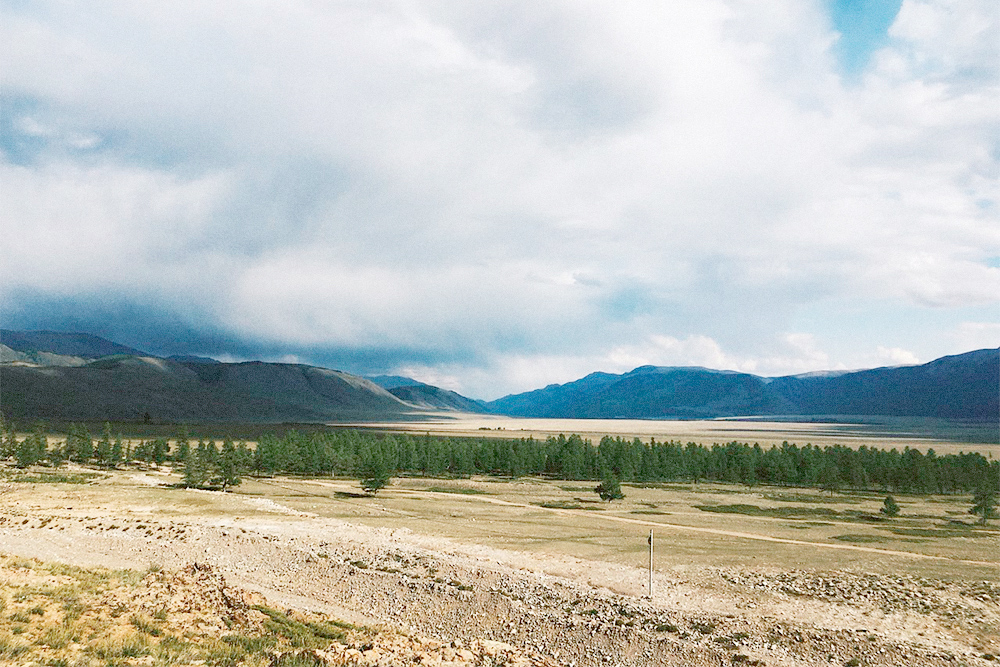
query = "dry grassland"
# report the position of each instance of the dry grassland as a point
(942, 436)
(766, 576)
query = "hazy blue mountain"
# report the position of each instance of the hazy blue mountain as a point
(962, 386)
(649, 392)
(66, 344)
(80, 377)
(435, 398)
(965, 386)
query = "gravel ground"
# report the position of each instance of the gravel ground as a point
(456, 596)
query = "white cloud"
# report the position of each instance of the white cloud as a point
(976, 336)
(513, 189)
(895, 356)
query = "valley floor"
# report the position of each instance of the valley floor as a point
(443, 562)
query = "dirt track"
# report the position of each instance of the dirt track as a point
(578, 612)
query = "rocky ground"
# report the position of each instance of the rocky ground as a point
(471, 604)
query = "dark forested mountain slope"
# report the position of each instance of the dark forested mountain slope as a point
(130, 388)
(68, 344)
(964, 386)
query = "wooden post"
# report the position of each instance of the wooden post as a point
(650, 563)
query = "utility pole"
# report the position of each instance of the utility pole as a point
(650, 563)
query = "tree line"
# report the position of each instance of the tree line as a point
(372, 456)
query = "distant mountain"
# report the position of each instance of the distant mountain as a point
(81, 345)
(435, 398)
(426, 396)
(80, 377)
(965, 386)
(34, 358)
(962, 386)
(649, 392)
(193, 359)
(393, 381)
(127, 388)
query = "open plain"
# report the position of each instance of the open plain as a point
(762, 576)
(941, 435)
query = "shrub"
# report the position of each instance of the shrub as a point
(889, 507)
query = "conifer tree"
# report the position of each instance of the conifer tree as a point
(161, 450)
(27, 451)
(889, 507)
(374, 471)
(227, 467)
(194, 469)
(610, 488)
(8, 440)
(103, 450)
(985, 505)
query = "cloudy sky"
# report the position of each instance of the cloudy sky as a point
(496, 195)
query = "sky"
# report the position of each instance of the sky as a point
(499, 195)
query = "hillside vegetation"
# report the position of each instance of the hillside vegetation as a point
(129, 388)
(78, 377)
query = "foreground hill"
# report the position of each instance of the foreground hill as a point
(964, 386)
(128, 388)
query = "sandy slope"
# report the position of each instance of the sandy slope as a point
(576, 611)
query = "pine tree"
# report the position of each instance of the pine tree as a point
(374, 472)
(26, 452)
(103, 450)
(8, 440)
(161, 450)
(227, 467)
(79, 446)
(194, 470)
(985, 505)
(889, 507)
(610, 488)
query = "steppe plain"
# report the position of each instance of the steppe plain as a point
(760, 576)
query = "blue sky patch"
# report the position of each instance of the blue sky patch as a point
(864, 28)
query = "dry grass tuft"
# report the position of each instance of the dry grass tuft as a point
(59, 615)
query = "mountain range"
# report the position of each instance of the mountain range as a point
(964, 386)
(81, 377)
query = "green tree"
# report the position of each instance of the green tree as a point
(829, 478)
(161, 450)
(103, 451)
(8, 440)
(79, 446)
(985, 505)
(194, 469)
(889, 507)
(610, 488)
(28, 452)
(374, 471)
(227, 471)
(118, 453)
